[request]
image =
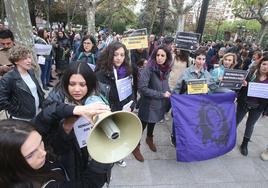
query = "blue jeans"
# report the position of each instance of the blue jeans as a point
(253, 116)
(46, 71)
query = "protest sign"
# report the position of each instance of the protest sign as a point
(205, 125)
(42, 49)
(135, 39)
(259, 90)
(82, 129)
(233, 78)
(187, 40)
(197, 86)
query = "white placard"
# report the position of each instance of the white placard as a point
(127, 106)
(82, 130)
(259, 90)
(41, 60)
(92, 66)
(124, 87)
(42, 49)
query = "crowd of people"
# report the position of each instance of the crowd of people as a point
(37, 141)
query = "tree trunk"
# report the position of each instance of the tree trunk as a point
(19, 23)
(90, 11)
(181, 19)
(152, 9)
(263, 32)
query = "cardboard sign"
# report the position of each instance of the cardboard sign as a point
(233, 78)
(197, 86)
(187, 40)
(135, 39)
(259, 90)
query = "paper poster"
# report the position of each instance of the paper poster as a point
(197, 86)
(124, 88)
(135, 39)
(82, 130)
(41, 60)
(42, 49)
(259, 90)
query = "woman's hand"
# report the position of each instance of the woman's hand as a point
(68, 124)
(244, 83)
(167, 94)
(88, 111)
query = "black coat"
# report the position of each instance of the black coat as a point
(259, 104)
(16, 97)
(108, 89)
(75, 160)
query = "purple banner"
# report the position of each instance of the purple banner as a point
(205, 125)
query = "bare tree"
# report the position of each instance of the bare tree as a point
(179, 8)
(91, 6)
(149, 14)
(253, 10)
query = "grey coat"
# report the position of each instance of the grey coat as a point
(153, 104)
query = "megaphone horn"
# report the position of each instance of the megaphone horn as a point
(114, 136)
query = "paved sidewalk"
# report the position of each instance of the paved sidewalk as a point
(160, 169)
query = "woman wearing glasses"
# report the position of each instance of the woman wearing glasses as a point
(87, 51)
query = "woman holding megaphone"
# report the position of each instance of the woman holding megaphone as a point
(61, 110)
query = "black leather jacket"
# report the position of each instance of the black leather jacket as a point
(16, 97)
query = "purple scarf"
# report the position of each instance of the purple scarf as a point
(121, 71)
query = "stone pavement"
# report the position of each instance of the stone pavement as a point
(160, 169)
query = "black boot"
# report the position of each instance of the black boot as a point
(244, 146)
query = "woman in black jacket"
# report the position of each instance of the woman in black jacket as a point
(113, 65)
(23, 162)
(21, 94)
(254, 106)
(61, 109)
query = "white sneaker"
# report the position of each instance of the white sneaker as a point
(121, 163)
(264, 155)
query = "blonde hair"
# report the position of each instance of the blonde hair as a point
(234, 59)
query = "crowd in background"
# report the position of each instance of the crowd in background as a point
(88, 67)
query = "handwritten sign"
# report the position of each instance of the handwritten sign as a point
(233, 78)
(259, 90)
(135, 39)
(197, 86)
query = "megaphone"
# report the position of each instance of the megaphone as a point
(114, 136)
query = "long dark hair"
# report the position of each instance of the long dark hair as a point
(182, 55)
(14, 169)
(152, 59)
(92, 39)
(79, 67)
(105, 60)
